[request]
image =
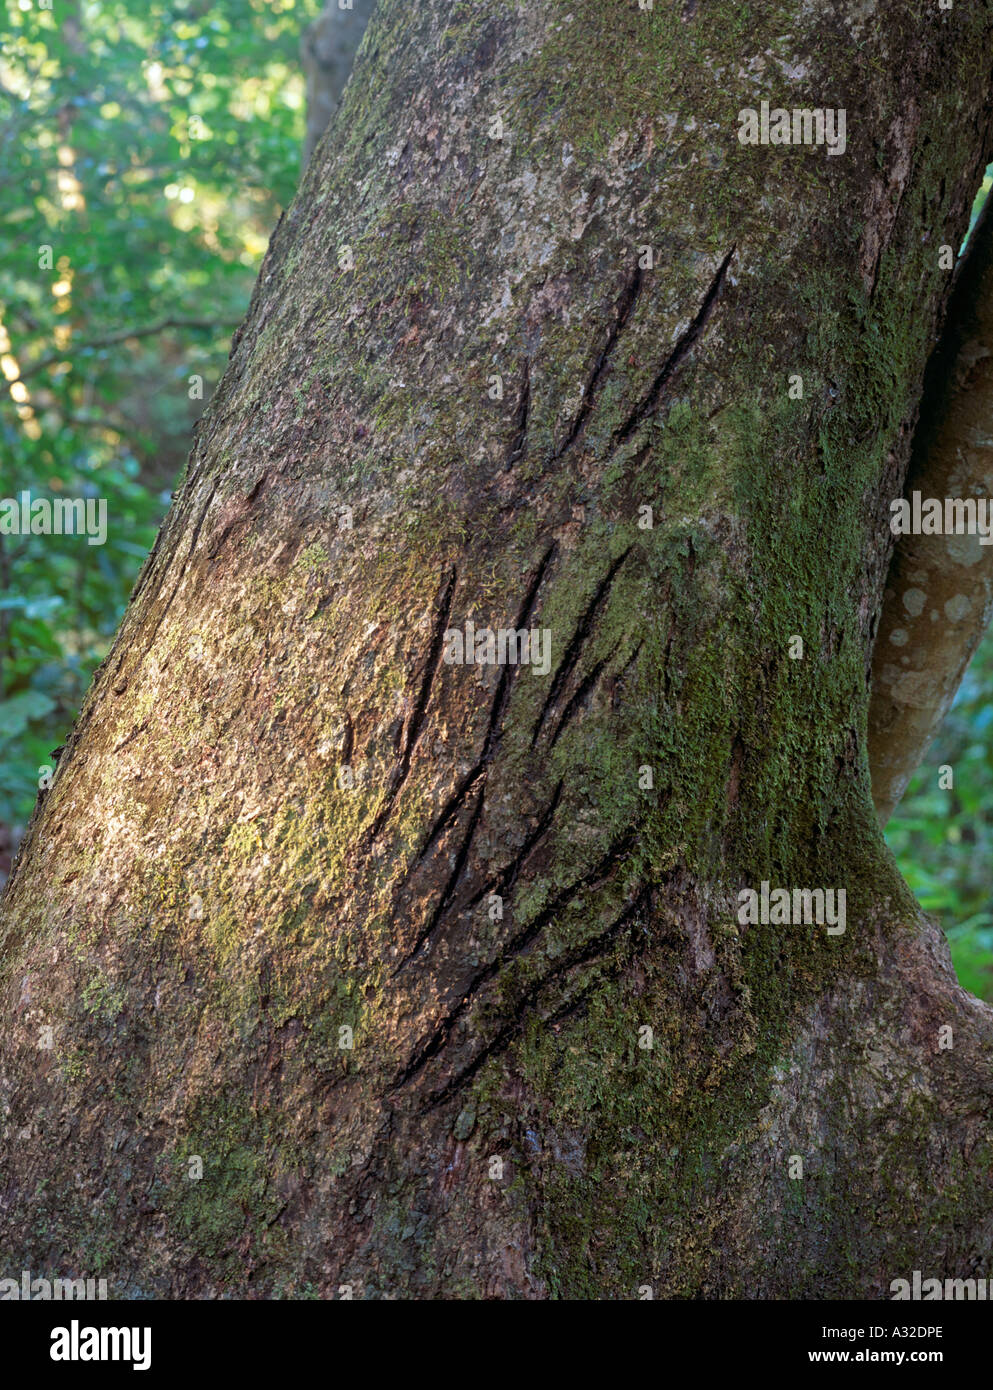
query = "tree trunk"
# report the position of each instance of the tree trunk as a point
(287, 813)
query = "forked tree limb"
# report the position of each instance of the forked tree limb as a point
(939, 591)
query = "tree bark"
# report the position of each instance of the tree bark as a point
(283, 813)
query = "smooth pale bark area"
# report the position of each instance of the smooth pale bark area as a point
(939, 591)
(283, 813)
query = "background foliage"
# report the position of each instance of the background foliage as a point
(943, 840)
(151, 147)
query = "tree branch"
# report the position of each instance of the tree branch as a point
(122, 336)
(939, 590)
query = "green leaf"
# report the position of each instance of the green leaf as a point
(17, 712)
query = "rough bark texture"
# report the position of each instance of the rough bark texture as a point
(207, 896)
(939, 591)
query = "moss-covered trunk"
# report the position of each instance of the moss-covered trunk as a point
(287, 822)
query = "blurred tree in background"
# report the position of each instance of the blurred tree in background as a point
(146, 151)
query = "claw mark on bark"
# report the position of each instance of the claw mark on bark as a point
(622, 673)
(348, 742)
(667, 686)
(497, 710)
(247, 501)
(575, 646)
(580, 955)
(505, 880)
(132, 735)
(519, 943)
(448, 892)
(416, 722)
(625, 307)
(684, 346)
(430, 668)
(199, 525)
(451, 808)
(586, 686)
(524, 406)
